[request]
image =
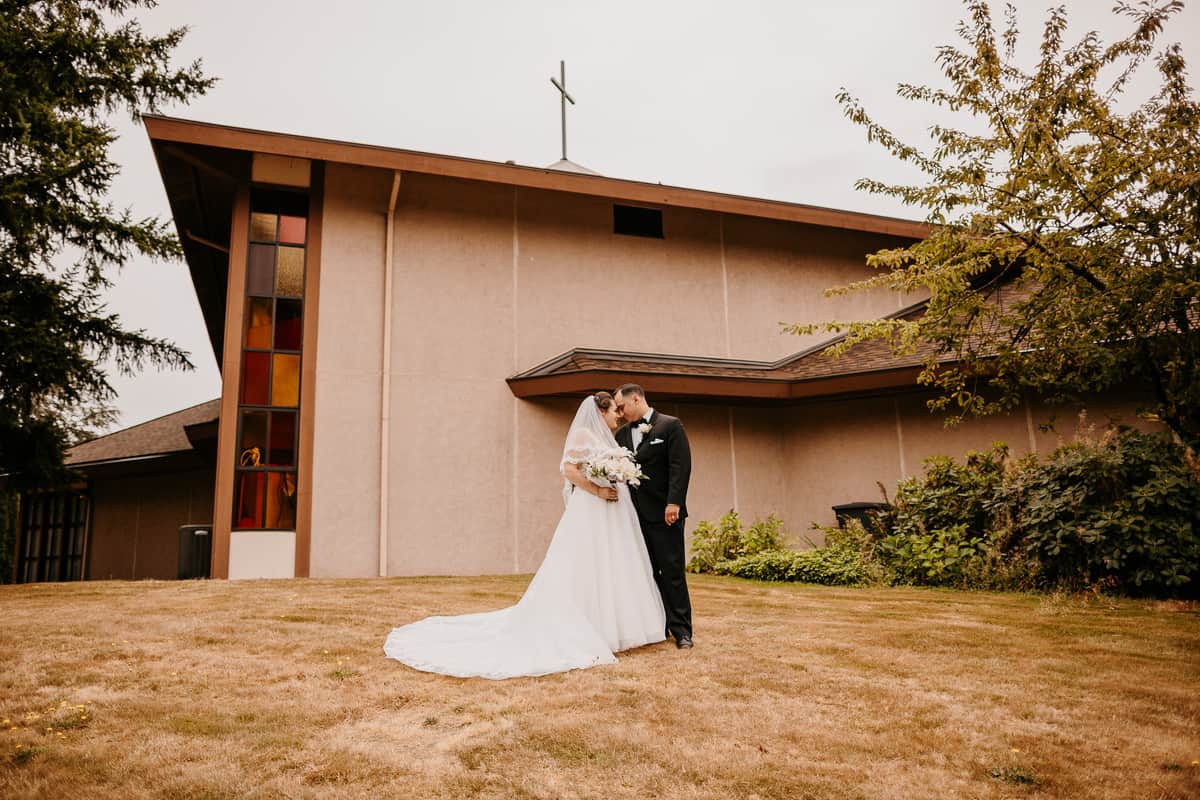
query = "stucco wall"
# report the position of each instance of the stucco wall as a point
(490, 280)
(345, 500)
(836, 451)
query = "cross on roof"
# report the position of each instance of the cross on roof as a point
(562, 88)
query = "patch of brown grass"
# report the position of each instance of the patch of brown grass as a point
(212, 689)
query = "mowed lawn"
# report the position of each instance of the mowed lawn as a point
(215, 689)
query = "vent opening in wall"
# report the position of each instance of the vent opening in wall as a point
(634, 221)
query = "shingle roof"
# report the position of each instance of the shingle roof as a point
(163, 435)
(809, 373)
(811, 364)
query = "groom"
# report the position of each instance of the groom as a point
(660, 447)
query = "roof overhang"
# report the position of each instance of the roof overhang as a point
(203, 165)
(699, 387)
(181, 132)
(200, 181)
(867, 367)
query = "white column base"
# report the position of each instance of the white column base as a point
(262, 554)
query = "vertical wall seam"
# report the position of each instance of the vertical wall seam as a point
(725, 284)
(516, 418)
(900, 438)
(733, 460)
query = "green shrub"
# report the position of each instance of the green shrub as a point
(949, 494)
(758, 552)
(1123, 511)
(937, 558)
(727, 541)
(825, 565)
(1119, 513)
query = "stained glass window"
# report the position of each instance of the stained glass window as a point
(269, 401)
(291, 230)
(255, 371)
(258, 323)
(287, 324)
(262, 227)
(260, 273)
(285, 380)
(289, 277)
(282, 452)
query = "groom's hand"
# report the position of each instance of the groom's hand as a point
(672, 514)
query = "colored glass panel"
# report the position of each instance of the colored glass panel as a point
(248, 499)
(283, 439)
(258, 323)
(256, 369)
(281, 500)
(287, 325)
(291, 229)
(253, 447)
(289, 278)
(260, 273)
(262, 227)
(285, 381)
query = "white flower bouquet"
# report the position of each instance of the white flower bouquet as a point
(612, 466)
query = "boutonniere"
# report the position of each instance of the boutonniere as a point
(644, 428)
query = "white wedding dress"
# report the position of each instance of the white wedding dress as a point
(593, 595)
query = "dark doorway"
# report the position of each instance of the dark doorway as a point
(52, 536)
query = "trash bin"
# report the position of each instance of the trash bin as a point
(865, 513)
(195, 551)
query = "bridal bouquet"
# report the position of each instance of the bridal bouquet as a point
(614, 465)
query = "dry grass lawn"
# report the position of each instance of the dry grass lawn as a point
(212, 689)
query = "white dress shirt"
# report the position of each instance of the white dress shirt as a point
(637, 435)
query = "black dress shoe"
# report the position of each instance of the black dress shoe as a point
(684, 643)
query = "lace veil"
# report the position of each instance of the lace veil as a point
(587, 435)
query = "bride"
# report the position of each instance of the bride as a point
(593, 595)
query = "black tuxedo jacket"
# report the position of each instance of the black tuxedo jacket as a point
(666, 458)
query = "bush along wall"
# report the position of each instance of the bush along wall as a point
(758, 552)
(1118, 513)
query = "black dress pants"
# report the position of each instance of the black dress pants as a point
(664, 543)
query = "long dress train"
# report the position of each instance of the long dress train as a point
(593, 595)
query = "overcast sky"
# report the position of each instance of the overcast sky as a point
(727, 96)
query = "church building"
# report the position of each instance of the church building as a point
(403, 338)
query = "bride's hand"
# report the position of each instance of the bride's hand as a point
(606, 493)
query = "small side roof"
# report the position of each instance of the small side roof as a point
(868, 366)
(162, 436)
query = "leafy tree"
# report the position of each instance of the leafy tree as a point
(1063, 253)
(65, 66)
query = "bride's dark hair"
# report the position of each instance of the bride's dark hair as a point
(604, 400)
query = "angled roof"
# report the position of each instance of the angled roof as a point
(866, 366)
(202, 164)
(162, 436)
(556, 177)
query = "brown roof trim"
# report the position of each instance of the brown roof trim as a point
(126, 459)
(718, 387)
(173, 129)
(701, 364)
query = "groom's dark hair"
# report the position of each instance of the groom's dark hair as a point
(631, 388)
